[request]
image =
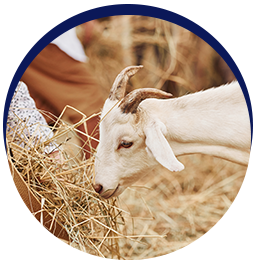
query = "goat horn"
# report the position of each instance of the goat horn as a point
(131, 101)
(119, 86)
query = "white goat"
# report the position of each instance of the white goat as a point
(137, 135)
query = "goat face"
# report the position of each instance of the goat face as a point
(131, 143)
(121, 155)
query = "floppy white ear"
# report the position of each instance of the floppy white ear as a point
(157, 144)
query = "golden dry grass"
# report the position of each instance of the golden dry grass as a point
(63, 188)
(183, 206)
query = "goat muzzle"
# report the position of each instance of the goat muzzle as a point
(98, 188)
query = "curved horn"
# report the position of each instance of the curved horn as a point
(131, 101)
(119, 86)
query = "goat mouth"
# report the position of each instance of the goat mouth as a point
(109, 193)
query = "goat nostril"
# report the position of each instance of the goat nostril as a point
(98, 187)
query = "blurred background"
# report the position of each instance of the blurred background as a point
(174, 59)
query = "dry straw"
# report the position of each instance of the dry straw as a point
(63, 188)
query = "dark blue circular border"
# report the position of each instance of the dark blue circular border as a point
(231, 32)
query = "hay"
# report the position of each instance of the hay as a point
(64, 190)
(184, 205)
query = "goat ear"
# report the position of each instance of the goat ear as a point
(159, 147)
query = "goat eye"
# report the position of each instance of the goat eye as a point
(125, 144)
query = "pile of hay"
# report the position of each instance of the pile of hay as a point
(182, 206)
(63, 188)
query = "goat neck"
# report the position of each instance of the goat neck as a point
(213, 122)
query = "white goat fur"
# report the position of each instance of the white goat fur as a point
(214, 122)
